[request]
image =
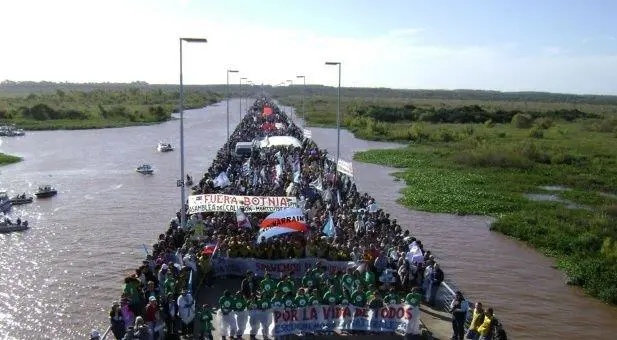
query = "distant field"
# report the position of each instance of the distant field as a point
(321, 111)
(97, 108)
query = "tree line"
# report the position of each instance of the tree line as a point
(132, 104)
(25, 87)
(462, 115)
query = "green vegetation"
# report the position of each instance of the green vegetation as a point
(97, 108)
(475, 157)
(8, 159)
(487, 168)
(321, 110)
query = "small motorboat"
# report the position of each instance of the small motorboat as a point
(46, 191)
(21, 199)
(145, 169)
(7, 226)
(164, 147)
(5, 202)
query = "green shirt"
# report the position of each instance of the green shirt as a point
(285, 286)
(391, 299)
(169, 286)
(358, 299)
(347, 281)
(369, 278)
(239, 304)
(357, 282)
(205, 320)
(252, 305)
(315, 300)
(301, 301)
(331, 298)
(226, 304)
(289, 302)
(263, 304)
(308, 281)
(277, 302)
(413, 299)
(267, 286)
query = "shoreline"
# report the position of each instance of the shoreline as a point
(544, 194)
(77, 124)
(544, 204)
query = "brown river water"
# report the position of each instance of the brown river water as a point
(59, 278)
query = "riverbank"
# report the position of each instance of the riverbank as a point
(8, 159)
(97, 109)
(69, 124)
(551, 187)
(547, 175)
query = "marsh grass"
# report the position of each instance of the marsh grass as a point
(96, 109)
(321, 110)
(8, 159)
(487, 169)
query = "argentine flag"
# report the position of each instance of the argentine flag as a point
(328, 229)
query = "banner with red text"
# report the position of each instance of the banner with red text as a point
(231, 203)
(402, 319)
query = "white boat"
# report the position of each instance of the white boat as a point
(18, 132)
(145, 169)
(11, 131)
(164, 147)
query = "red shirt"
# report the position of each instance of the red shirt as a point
(151, 310)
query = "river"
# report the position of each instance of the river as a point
(60, 277)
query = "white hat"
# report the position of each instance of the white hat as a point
(95, 333)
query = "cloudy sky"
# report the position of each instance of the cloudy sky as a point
(548, 45)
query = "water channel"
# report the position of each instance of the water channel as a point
(59, 278)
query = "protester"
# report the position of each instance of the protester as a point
(391, 266)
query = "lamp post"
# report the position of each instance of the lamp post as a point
(181, 181)
(241, 96)
(303, 94)
(246, 98)
(228, 72)
(338, 111)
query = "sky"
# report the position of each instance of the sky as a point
(548, 45)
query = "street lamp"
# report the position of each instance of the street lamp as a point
(303, 94)
(246, 98)
(338, 111)
(228, 72)
(241, 96)
(181, 182)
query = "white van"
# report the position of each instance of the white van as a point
(244, 149)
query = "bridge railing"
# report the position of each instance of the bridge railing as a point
(107, 332)
(444, 297)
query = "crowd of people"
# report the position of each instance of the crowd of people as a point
(157, 299)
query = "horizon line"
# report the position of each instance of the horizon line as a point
(8, 82)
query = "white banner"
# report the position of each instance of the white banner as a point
(345, 167)
(231, 203)
(403, 319)
(307, 133)
(240, 266)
